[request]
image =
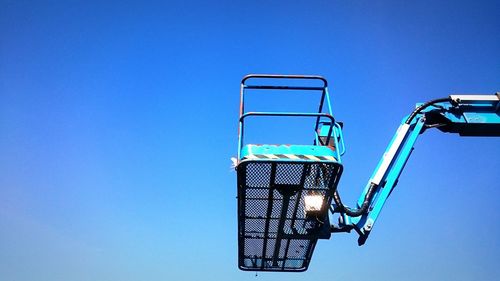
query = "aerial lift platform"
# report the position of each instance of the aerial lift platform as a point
(275, 231)
(287, 194)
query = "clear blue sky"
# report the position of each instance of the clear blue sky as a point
(117, 122)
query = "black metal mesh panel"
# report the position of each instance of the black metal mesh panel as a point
(274, 232)
(258, 176)
(288, 173)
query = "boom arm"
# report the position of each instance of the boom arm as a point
(467, 115)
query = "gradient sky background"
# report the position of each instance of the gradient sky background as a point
(118, 120)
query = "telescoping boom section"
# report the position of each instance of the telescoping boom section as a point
(287, 194)
(284, 191)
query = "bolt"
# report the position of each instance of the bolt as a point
(368, 227)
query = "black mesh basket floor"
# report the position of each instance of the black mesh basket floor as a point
(274, 232)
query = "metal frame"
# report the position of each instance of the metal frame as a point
(336, 133)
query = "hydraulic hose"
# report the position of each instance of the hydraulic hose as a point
(354, 212)
(424, 106)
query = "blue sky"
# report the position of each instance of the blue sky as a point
(117, 122)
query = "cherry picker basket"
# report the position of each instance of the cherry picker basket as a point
(284, 191)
